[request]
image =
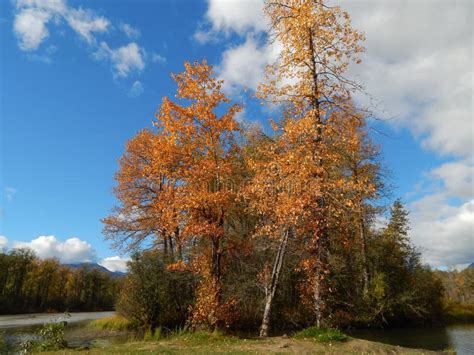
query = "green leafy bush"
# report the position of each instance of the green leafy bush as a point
(51, 337)
(323, 335)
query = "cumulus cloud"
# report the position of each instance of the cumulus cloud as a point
(115, 263)
(72, 250)
(243, 66)
(3, 242)
(69, 251)
(86, 22)
(130, 31)
(443, 232)
(124, 59)
(457, 178)
(232, 16)
(442, 229)
(418, 64)
(136, 89)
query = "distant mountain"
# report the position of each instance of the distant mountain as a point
(94, 266)
(471, 266)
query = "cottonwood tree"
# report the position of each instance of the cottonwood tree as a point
(146, 183)
(177, 182)
(317, 44)
(361, 177)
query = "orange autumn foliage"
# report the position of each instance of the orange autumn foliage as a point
(172, 183)
(317, 44)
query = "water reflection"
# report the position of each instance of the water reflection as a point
(457, 337)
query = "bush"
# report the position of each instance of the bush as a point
(51, 338)
(457, 312)
(323, 335)
(153, 296)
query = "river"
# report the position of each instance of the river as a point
(19, 327)
(459, 337)
(27, 320)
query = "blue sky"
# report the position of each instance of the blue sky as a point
(80, 78)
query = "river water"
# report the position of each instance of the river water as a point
(459, 337)
(27, 320)
(17, 328)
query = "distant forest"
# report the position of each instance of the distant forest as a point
(29, 284)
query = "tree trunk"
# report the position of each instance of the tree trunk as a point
(321, 254)
(365, 268)
(271, 288)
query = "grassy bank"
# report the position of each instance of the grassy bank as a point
(115, 322)
(306, 342)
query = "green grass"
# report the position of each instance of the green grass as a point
(115, 322)
(153, 335)
(323, 335)
(197, 337)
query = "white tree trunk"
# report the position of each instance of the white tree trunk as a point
(271, 288)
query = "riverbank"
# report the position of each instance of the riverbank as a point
(226, 344)
(111, 335)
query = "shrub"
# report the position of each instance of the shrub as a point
(456, 312)
(51, 337)
(323, 335)
(153, 296)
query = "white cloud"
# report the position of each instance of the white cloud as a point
(72, 250)
(457, 178)
(156, 58)
(3, 242)
(86, 22)
(124, 59)
(30, 28)
(130, 31)
(33, 16)
(115, 263)
(442, 229)
(443, 232)
(233, 16)
(418, 64)
(243, 65)
(136, 89)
